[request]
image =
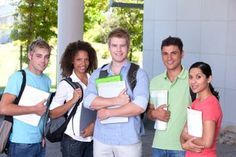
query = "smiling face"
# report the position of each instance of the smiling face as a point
(198, 80)
(81, 61)
(118, 48)
(171, 57)
(38, 60)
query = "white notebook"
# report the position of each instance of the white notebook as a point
(159, 97)
(194, 122)
(30, 97)
(109, 90)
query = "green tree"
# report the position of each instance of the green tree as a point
(129, 18)
(94, 11)
(34, 18)
(132, 20)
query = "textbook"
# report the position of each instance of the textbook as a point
(87, 116)
(194, 122)
(112, 78)
(109, 90)
(159, 97)
(30, 97)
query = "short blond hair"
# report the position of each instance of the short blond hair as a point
(119, 33)
(39, 43)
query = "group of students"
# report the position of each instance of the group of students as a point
(79, 62)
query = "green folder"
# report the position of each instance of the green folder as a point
(112, 78)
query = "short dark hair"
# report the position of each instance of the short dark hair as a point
(69, 55)
(172, 41)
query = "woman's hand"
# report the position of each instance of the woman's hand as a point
(88, 131)
(189, 145)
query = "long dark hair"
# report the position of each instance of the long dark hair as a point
(206, 70)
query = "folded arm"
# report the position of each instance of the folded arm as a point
(8, 108)
(206, 141)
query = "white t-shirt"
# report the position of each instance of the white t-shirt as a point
(65, 93)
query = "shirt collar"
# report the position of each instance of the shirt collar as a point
(182, 74)
(75, 78)
(108, 66)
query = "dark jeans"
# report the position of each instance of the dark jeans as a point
(73, 148)
(167, 153)
(26, 150)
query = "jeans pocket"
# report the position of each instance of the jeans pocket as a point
(23, 146)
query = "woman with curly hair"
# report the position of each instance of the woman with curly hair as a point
(77, 62)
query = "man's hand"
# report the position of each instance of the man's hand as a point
(40, 108)
(103, 114)
(189, 145)
(122, 98)
(161, 113)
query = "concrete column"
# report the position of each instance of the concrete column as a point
(70, 26)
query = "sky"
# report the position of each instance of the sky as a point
(2, 2)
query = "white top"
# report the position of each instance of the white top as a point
(65, 93)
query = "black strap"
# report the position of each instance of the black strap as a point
(131, 76)
(103, 73)
(16, 101)
(75, 85)
(22, 86)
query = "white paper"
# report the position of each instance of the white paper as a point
(194, 122)
(109, 90)
(159, 97)
(30, 97)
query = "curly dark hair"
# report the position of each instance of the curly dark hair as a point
(69, 54)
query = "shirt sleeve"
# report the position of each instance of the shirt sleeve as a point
(211, 110)
(14, 84)
(62, 94)
(141, 90)
(91, 90)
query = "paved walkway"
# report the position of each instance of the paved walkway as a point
(53, 150)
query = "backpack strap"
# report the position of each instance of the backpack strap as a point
(16, 101)
(74, 85)
(131, 76)
(103, 73)
(22, 86)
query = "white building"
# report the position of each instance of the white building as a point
(208, 31)
(6, 20)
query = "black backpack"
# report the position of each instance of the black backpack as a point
(131, 77)
(6, 126)
(54, 128)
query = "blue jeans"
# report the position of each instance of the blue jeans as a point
(73, 148)
(26, 150)
(167, 153)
